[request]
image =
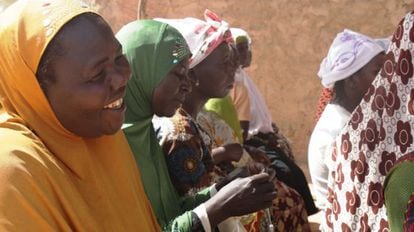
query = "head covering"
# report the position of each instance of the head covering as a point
(349, 52)
(384, 42)
(202, 36)
(153, 49)
(240, 35)
(225, 109)
(53, 179)
(260, 117)
(379, 134)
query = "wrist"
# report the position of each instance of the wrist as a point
(221, 183)
(215, 212)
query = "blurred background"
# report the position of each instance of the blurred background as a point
(290, 38)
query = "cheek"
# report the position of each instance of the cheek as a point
(85, 104)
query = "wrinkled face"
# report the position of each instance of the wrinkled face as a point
(89, 80)
(172, 90)
(245, 54)
(216, 73)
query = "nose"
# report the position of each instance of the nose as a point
(121, 74)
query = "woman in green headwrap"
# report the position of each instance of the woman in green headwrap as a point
(159, 57)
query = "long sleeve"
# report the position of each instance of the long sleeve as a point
(190, 221)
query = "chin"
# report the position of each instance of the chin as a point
(112, 128)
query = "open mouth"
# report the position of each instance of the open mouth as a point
(115, 105)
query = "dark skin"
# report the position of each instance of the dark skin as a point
(90, 75)
(215, 75)
(245, 53)
(245, 57)
(171, 92)
(357, 84)
(227, 153)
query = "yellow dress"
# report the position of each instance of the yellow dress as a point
(51, 179)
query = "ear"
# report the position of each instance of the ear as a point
(193, 77)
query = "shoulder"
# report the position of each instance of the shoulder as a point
(22, 155)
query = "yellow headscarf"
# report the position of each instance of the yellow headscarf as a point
(51, 179)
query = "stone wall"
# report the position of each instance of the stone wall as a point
(290, 38)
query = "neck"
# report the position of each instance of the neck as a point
(194, 103)
(348, 105)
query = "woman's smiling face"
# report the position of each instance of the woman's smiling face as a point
(88, 79)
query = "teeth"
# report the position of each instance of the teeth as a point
(114, 105)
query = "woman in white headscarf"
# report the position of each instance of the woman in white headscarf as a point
(370, 183)
(351, 64)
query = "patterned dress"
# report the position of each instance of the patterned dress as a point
(288, 212)
(378, 136)
(187, 148)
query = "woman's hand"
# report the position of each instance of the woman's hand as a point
(250, 169)
(228, 152)
(257, 155)
(241, 196)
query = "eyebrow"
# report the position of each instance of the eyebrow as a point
(103, 60)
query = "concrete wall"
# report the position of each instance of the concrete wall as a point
(290, 38)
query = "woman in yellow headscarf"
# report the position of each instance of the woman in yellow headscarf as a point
(64, 164)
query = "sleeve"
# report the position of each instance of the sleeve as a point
(187, 165)
(398, 194)
(196, 218)
(241, 101)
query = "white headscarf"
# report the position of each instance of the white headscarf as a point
(379, 135)
(349, 52)
(260, 117)
(202, 36)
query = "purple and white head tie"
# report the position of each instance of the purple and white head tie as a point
(349, 52)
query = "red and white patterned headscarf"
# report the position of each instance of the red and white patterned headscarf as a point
(202, 36)
(379, 134)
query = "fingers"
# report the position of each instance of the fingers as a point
(255, 168)
(265, 187)
(262, 177)
(272, 174)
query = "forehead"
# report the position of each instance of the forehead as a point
(221, 52)
(86, 37)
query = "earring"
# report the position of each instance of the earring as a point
(197, 83)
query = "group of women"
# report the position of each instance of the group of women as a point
(68, 85)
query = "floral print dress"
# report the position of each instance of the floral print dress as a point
(288, 212)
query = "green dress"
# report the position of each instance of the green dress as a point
(153, 49)
(399, 196)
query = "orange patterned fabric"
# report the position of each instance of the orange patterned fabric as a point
(324, 98)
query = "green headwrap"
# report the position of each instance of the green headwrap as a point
(153, 49)
(225, 109)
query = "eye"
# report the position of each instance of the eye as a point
(97, 78)
(121, 60)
